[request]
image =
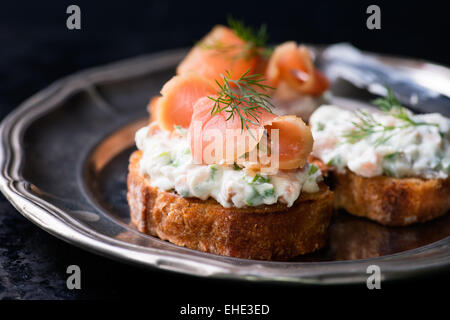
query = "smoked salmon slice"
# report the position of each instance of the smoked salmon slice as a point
(208, 133)
(293, 65)
(295, 141)
(178, 96)
(219, 51)
(188, 100)
(213, 138)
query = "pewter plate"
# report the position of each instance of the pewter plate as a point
(64, 165)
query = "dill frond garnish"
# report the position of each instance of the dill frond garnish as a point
(391, 105)
(365, 127)
(243, 101)
(255, 41)
(368, 125)
(257, 38)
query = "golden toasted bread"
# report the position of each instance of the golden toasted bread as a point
(389, 201)
(274, 232)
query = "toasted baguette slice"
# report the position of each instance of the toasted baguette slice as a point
(264, 232)
(389, 201)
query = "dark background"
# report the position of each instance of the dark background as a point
(36, 49)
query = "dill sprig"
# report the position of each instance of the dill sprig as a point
(243, 101)
(367, 125)
(255, 41)
(257, 38)
(391, 105)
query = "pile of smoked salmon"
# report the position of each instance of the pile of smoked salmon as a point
(184, 98)
(215, 64)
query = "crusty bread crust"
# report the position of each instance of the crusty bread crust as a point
(390, 201)
(273, 232)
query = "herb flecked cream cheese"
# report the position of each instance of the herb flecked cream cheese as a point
(371, 143)
(168, 162)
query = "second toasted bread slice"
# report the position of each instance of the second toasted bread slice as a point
(389, 201)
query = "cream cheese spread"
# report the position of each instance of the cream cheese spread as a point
(168, 162)
(392, 147)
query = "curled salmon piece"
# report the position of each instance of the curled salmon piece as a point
(292, 64)
(295, 141)
(218, 52)
(214, 139)
(178, 95)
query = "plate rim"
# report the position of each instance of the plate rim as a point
(60, 224)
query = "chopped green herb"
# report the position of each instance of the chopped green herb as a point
(388, 163)
(214, 170)
(257, 179)
(269, 192)
(392, 156)
(257, 197)
(236, 167)
(336, 161)
(313, 169)
(320, 126)
(249, 201)
(162, 154)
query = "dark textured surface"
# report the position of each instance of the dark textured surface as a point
(37, 49)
